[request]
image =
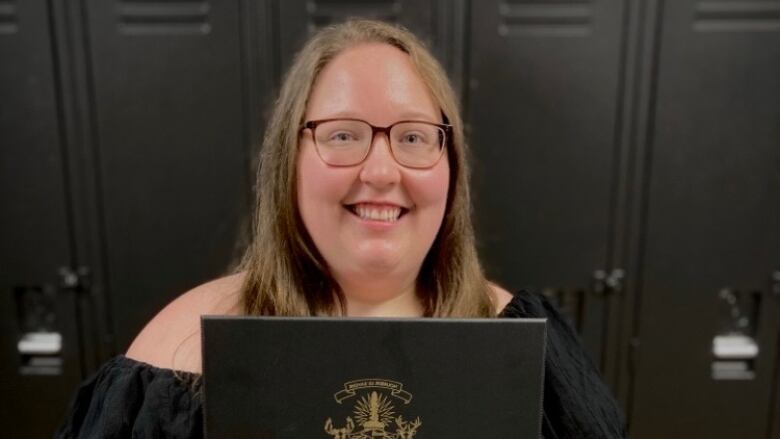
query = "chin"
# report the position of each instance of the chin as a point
(372, 267)
(378, 256)
(374, 272)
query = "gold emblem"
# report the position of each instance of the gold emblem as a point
(374, 415)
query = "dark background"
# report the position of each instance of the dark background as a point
(626, 160)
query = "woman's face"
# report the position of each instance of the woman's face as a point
(372, 259)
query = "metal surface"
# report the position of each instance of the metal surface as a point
(172, 164)
(712, 220)
(544, 82)
(35, 238)
(438, 24)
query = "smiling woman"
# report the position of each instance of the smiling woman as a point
(347, 146)
(353, 213)
(363, 209)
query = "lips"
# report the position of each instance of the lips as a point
(388, 213)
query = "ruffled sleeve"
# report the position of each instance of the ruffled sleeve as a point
(577, 403)
(126, 398)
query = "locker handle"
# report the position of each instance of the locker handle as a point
(40, 343)
(734, 346)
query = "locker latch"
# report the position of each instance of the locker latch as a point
(734, 347)
(607, 283)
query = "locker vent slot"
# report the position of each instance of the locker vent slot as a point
(737, 16)
(8, 22)
(171, 17)
(323, 12)
(545, 18)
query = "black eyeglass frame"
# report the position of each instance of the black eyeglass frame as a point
(446, 129)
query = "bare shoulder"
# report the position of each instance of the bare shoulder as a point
(171, 340)
(501, 297)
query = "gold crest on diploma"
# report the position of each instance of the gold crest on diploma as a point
(374, 414)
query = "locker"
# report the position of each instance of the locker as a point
(39, 333)
(173, 166)
(712, 238)
(542, 106)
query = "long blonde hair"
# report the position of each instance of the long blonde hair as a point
(285, 273)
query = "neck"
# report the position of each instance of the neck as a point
(405, 304)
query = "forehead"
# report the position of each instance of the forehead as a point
(373, 81)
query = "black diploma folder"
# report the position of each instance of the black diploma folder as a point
(350, 378)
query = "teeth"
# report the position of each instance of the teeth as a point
(386, 214)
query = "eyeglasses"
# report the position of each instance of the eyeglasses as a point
(347, 142)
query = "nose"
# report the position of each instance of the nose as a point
(380, 168)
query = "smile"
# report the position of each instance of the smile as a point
(372, 212)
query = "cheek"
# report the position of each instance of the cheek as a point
(310, 190)
(430, 190)
(320, 192)
(429, 193)
(316, 185)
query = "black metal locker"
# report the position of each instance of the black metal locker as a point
(39, 332)
(440, 24)
(169, 97)
(173, 161)
(542, 106)
(712, 238)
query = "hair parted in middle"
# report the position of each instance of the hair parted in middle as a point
(285, 273)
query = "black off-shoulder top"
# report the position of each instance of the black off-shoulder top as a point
(126, 398)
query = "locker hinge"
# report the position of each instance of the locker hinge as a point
(605, 283)
(775, 288)
(633, 353)
(78, 280)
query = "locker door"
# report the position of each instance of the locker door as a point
(173, 159)
(36, 378)
(298, 19)
(541, 107)
(712, 226)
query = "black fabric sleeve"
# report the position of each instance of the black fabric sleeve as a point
(129, 399)
(577, 403)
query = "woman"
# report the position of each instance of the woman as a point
(363, 210)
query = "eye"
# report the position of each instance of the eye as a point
(342, 136)
(412, 138)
